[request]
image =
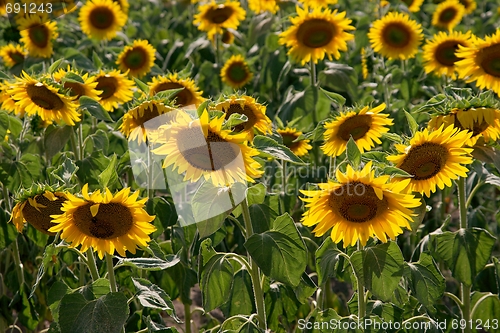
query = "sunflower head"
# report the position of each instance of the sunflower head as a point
(291, 139)
(37, 33)
(213, 17)
(358, 206)
(101, 19)
(364, 125)
(395, 36)
(259, 6)
(236, 72)
(137, 59)
(202, 150)
(434, 158)
(189, 95)
(317, 33)
(413, 5)
(105, 221)
(12, 54)
(77, 83)
(115, 89)
(36, 205)
(448, 14)
(469, 5)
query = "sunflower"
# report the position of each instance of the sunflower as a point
(469, 5)
(78, 89)
(7, 103)
(290, 139)
(439, 52)
(12, 54)
(395, 36)
(116, 89)
(259, 6)
(101, 19)
(37, 209)
(124, 5)
(105, 222)
(3, 10)
(481, 62)
(358, 206)
(364, 64)
(314, 34)
(318, 3)
(61, 7)
(37, 34)
(413, 5)
(190, 95)
(365, 126)
(480, 121)
(448, 14)
(236, 72)
(134, 125)
(202, 149)
(137, 59)
(44, 98)
(213, 17)
(227, 37)
(434, 158)
(248, 106)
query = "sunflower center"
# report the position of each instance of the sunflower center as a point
(16, 57)
(39, 35)
(316, 33)
(396, 35)
(356, 126)
(226, 37)
(108, 86)
(102, 18)
(490, 59)
(41, 220)
(425, 161)
(136, 58)
(43, 97)
(183, 97)
(288, 139)
(237, 72)
(247, 111)
(219, 15)
(149, 113)
(357, 202)
(112, 220)
(215, 155)
(445, 53)
(75, 89)
(447, 15)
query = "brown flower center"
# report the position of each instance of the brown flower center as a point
(447, 15)
(108, 85)
(237, 72)
(445, 53)
(316, 33)
(112, 220)
(183, 97)
(219, 15)
(357, 202)
(76, 89)
(102, 18)
(39, 35)
(247, 111)
(136, 58)
(41, 220)
(43, 97)
(356, 126)
(396, 35)
(489, 59)
(425, 161)
(16, 57)
(288, 139)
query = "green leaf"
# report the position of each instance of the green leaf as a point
(319, 319)
(169, 94)
(279, 252)
(158, 328)
(272, 148)
(241, 301)
(149, 264)
(152, 296)
(305, 289)
(144, 87)
(48, 254)
(94, 108)
(8, 232)
(56, 293)
(55, 139)
(106, 314)
(392, 136)
(425, 280)
(396, 172)
(327, 256)
(109, 176)
(334, 97)
(412, 123)
(486, 307)
(255, 194)
(235, 119)
(465, 251)
(353, 153)
(72, 77)
(65, 172)
(380, 267)
(55, 65)
(96, 290)
(96, 60)
(216, 277)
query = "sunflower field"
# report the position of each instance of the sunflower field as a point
(249, 166)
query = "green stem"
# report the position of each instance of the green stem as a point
(73, 144)
(322, 296)
(254, 272)
(473, 192)
(218, 60)
(80, 141)
(283, 183)
(466, 313)
(15, 245)
(361, 293)
(187, 318)
(111, 273)
(462, 203)
(92, 265)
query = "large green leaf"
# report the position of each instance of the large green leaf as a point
(241, 301)
(216, 277)
(149, 264)
(109, 176)
(274, 149)
(425, 280)
(152, 296)
(380, 267)
(94, 108)
(279, 252)
(465, 251)
(327, 256)
(106, 314)
(353, 153)
(486, 311)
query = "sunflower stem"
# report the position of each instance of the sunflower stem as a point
(283, 183)
(462, 203)
(187, 318)
(254, 272)
(466, 313)
(111, 273)
(361, 292)
(92, 265)
(315, 100)
(72, 138)
(80, 140)
(466, 289)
